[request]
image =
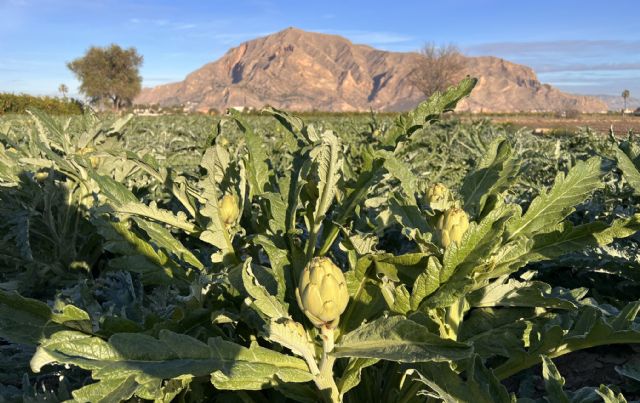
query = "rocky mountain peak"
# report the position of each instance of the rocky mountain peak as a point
(299, 70)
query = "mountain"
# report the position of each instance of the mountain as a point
(298, 70)
(616, 103)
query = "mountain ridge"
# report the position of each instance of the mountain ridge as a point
(299, 70)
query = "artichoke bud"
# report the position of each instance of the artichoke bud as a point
(86, 150)
(452, 225)
(229, 210)
(41, 176)
(322, 292)
(438, 197)
(95, 161)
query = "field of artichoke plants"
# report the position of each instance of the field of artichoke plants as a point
(341, 259)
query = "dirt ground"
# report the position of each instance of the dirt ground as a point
(546, 124)
(592, 367)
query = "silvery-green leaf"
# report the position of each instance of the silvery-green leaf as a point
(629, 169)
(264, 302)
(553, 382)
(491, 176)
(478, 386)
(293, 336)
(352, 373)
(511, 292)
(609, 396)
(256, 162)
(399, 339)
(28, 321)
(328, 157)
(172, 355)
(280, 264)
(426, 283)
(588, 327)
(366, 300)
(552, 206)
(163, 238)
(567, 238)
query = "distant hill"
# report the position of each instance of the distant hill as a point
(298, 70)
(616, 103)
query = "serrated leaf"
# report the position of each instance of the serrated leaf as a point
(629, 170)
(535, 294)
(429, 110)
(352, 373)
(567, 238)
(589, 327)
(170, 356)
(153, 212)
(328, 158)
(553, 382)
(366, 300)
(491, 176)
(399, 339)
(426, 283)
(479, 386)
(609, 396)
(293, 336)
(399, 170)
(267, 304)
(162, 237)
(410, 217)
(28, 321)
(551, 207)
(478, 242)
(107, 391)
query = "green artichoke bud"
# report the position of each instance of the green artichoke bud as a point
(41, 176)
(452, 225)
(95, 161)
(438, 197)
(322, 292)
(229, 210)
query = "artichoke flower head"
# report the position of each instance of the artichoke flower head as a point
(438, 197)
(229, 210)
(322, 292)
(452, 225)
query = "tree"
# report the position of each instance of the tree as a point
(437, 68)
(109, 74)
(625, 96)
(63, 89)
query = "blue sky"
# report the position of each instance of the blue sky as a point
(590, 47)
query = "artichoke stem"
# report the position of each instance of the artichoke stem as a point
(327, 338)
(324, 380)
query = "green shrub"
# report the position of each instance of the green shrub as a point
(12, 103)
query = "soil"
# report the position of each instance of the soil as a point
(592, 367)
(544, 124)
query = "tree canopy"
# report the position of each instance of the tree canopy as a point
(109, 75)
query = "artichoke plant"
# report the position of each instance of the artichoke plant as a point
(229, 210)
(322, 292)
(452, 225)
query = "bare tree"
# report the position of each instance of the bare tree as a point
(437, 68)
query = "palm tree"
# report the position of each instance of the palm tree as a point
(63, 90)
(625, 96)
